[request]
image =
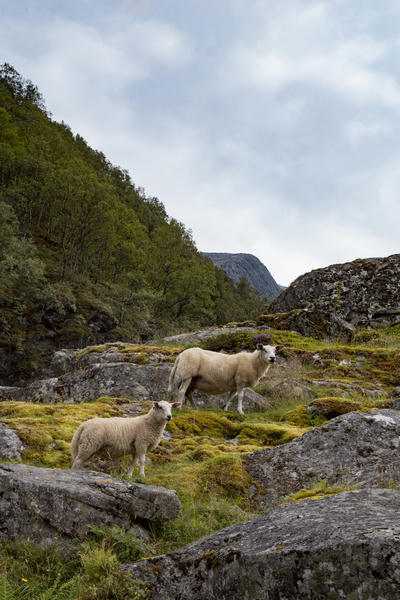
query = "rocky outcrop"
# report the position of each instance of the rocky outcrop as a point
(365, 292)
(10, 444)
(341, 546)
(126, 380)
(110, 372)
(310, 322)
(52, 505)
(195, 337)
(354, 449)
(249, 266)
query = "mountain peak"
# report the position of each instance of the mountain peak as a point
(246, 265)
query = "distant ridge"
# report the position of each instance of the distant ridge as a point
(249, 266)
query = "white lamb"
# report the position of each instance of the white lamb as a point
(116, 436)
(215, 373)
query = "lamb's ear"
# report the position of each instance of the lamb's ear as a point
(279, 348)
(176, 404)
(259, 346)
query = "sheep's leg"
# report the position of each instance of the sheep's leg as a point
(230, 398)
(134, 462)
(240, 394)
(189, 396)
(183, 389)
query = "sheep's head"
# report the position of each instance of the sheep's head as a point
(267, 353)
(163, 410)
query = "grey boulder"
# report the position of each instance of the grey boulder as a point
(359, 449)
(52, 505)
(341, 546)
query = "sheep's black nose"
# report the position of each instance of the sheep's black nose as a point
(169, 417)
(272, 358)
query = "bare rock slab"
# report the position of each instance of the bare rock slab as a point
(52, 505)
(10, 444)
(341, 546)
(360, 449)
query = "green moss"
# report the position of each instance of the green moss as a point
(301, 417)
(317, 490)
(210, 559)
(366, 335)
(241, 324)
(198, 422)
(268, 434)
(141, 358)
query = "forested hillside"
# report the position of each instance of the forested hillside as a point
(84, 253)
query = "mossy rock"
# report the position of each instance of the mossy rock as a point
(138, 352)
(229, 342)
(332, 407)
(301, 417)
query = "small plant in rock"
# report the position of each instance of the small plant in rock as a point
(103, 578)
(262, 338)
(125, 545)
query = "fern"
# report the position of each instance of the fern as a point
(66, 591)
(6, 591)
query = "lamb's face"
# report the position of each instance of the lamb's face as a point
(267, 353)
(163, 409)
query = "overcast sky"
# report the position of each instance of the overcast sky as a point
(266, 126)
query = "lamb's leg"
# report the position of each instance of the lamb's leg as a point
(142, 458)
(88, 447)
(230, 398)
(134, 462)
(79, 462)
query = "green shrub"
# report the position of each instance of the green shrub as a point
(126, 546)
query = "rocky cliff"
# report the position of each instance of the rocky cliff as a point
(364, 292)
(249, 266)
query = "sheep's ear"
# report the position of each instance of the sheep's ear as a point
(259, 346)
(279, 348)
(176, 404)
(156, 405)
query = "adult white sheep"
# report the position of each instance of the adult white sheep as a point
(116, 436)
(215, 373)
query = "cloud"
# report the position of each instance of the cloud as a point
(267, 127)
(309, 47)
(357, 130)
